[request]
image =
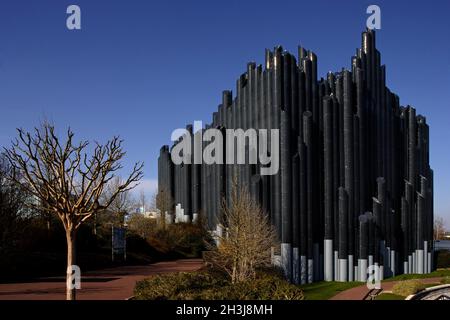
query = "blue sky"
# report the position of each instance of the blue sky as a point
(143, 68)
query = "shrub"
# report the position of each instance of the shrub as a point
(442, 259)
(266, 287)
(209, 285)
(175, 286)
(246, 243)
(445, 280)
(181, 239)
(408, 287)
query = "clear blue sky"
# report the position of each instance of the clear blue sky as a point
(143, 68)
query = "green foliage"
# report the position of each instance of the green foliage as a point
(435, 274)
(445, 280)
(407, 287)
(210, 285)
(175, 286)
(443, 259)
(389, 296)
(326, 290)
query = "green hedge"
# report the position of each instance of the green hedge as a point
(407, 287)
(445, 280)
(208, 285)
(443, 259)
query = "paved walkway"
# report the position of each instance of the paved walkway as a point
(107, 284)
(359, 293)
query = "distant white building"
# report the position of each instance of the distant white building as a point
(152, 214)
(442, 244)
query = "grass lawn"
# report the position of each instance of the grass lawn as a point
(326, 290)
(392, 296)
(434, 274)
(389, 296)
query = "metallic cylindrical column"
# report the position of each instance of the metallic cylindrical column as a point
(328, 186)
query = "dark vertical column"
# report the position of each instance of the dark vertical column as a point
(160, 169)
(296, 258)
(317, 195)
(371, 245)
(307, 136)
(377, 238)
(410, 214)
(412, 178)
(294, 109)
(302, 173)
(421, 208)
(266, 125)
(294, 156)
(255, 187)
(228, 102)
(340, 99)
(236, 125)
(196, 176)
(349, 164)
(331, 82)
(215, 190)
(308, 84)
(286, 200)
(367, 49)
(336, 169)
(328, 166)
(405, 229)
(301, 101)
(363, 245)
(328, 187)
(303, 186)
(241, 123)
(278, 102)
(188, 186)
(203, 190)
(431, 213)
(382, 216)
(343, 235)
(176, 181)
(251, 119)
(357, 187)
(361, 107)
(412, 142)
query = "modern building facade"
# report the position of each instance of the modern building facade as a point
(354, 188)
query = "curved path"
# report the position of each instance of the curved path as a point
(107, 284)
(360, 292)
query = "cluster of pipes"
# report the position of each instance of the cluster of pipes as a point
(354, 189)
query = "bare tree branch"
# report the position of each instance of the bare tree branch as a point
(64, 178)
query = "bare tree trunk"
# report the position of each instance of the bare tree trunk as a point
(95, 224)
(48, 230)
(71, 260)
(163, 220)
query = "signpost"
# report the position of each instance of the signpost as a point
(118, 242)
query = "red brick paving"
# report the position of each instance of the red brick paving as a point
(107, 284)
(359, 293)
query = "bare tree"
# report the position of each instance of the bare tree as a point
(66, 180)
(141, 225)
(246, 243)
(122, 204)
(164, 203)
(439, 228)
(14, 212)
(142, 201)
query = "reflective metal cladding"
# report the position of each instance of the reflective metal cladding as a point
(355, 187)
